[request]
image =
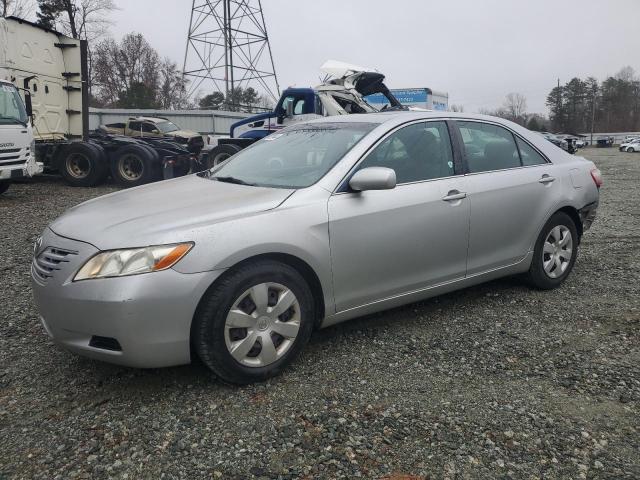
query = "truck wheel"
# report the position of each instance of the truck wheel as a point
(221, 154)
(134, 165)
(82, 165)
(4, 186)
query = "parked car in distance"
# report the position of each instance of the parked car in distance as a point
(156, 127)
(315, 224)
(631, 146)
(556, 140)
(630, 138)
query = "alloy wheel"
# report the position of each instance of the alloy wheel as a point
(557, 251)
(262, 324)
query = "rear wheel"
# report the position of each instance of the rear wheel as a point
(254, 322)
(134, 165)
(82, 165)
(4, 186)
(555, 252)
(221, 154)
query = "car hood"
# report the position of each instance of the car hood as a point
(164, 212)
(183, 134)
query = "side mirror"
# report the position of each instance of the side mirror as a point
(155, 130)
(28, 105)
(373, 178)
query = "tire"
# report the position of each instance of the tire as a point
(221, 154)
(4, 186)
(135, 165)
(546, 273)
(214, 339)
(83, 164)
(630, 150)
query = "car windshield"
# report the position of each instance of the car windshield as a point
(294, 158)
(12, 109)
(166, 127)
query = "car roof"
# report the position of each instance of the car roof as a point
(150, 119)
(398, 117)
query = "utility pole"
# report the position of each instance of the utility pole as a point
(593, 113)
(228, 48)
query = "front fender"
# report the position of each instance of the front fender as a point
(297, 229)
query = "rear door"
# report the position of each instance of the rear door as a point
(511, 188)
(386, 243)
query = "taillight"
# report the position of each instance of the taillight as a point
(597, 177)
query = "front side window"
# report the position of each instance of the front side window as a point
(148, 127)
(11, 107)
(421, 151)
(298, 104)
(293, 158)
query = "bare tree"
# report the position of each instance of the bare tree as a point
(83, 19)
(515, 105)
(16, 8)
(456, 108)
(120, 68)
(172, 93)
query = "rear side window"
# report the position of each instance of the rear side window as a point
(421, 151)
(528, 155)
(488, 147)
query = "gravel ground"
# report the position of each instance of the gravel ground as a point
(496, 381)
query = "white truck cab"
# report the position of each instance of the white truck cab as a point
(17, 157)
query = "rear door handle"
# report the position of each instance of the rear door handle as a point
(454, 195)
(547, 179)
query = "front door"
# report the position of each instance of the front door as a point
(386, 243)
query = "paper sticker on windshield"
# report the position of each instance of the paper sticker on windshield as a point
(273, 136)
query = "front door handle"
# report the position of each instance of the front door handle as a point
(454, 195)
(547, 179)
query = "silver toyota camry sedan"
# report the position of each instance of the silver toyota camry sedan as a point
(316, 224)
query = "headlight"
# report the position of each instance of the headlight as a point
(133, 261)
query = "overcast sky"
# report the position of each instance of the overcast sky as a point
(476, 50)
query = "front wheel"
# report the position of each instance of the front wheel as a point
(555, 252)
(630, 150)
(254, 322)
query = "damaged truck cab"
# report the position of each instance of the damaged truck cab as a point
(341, 94)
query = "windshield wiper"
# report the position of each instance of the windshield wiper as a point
(234, 180)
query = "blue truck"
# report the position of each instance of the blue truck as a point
(345, 93)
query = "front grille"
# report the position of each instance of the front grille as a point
(9, 150)
(10, 161)
(49, 261)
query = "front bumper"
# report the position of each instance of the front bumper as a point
(148, 316)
